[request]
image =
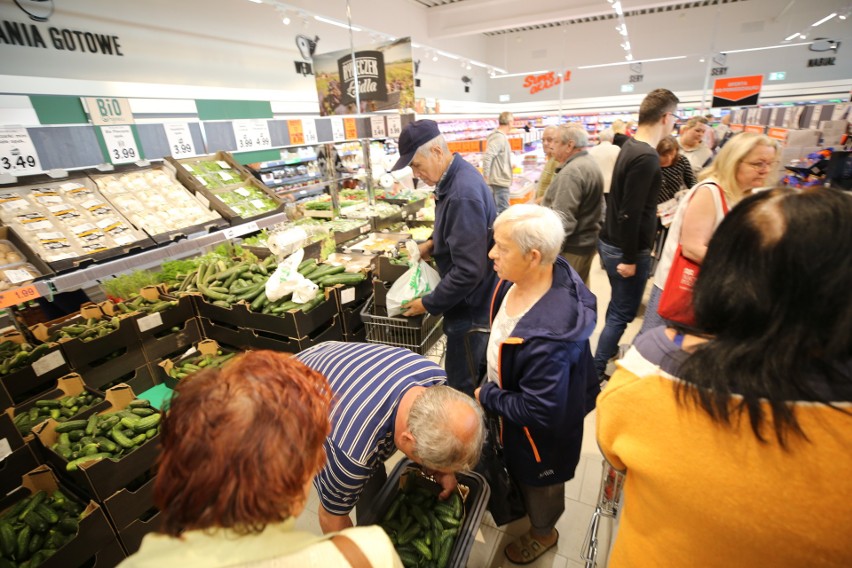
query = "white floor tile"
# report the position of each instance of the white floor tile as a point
(550, 559)
(572, 527)
(591, 481)
(482, 552)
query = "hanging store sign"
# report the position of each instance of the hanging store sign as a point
(382, 74)
(104, 111)
(538, 83)
(120, 143)
(26, 34)
(18, 155)
(252, 135)
(180, 140)
(737, 91)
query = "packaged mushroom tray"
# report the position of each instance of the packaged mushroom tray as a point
(154, 201)
(63, 220)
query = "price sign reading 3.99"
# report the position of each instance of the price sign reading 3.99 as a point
(120, 144)
(180, 140)
(17, 153)
(252, 135)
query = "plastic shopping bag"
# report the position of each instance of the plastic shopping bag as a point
(287, 280)
(419, 280)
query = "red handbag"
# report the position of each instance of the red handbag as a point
(676, 299)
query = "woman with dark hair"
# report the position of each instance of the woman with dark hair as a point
(240, 446)
(732, 463)
(677, 173)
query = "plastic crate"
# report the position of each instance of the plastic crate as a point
(417, 333)
(475, 492)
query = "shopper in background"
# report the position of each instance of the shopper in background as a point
(605, 154)
(577, 193)
(619, 128)
(746, 445)
(464, 215)
(540, 373)
(710, 132)
(240, 446)
(723, 131)
(387, 398)
(497, 161)
(747, 162)
(691, 142)
(676, 169)
(631, 219)
(548, 136)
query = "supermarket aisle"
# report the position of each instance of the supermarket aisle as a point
(581, 493)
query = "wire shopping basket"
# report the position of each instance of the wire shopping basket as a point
(612, 482)
(417, 333)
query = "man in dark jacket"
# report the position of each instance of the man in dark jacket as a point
(463, 234)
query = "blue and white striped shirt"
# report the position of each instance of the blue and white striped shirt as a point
(367, 380)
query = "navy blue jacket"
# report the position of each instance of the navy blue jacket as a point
(547, 380)
(463, 235)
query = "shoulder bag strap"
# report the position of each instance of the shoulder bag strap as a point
(351, 551)
(721, 195)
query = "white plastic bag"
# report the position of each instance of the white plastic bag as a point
(419, 280)
(287, 280)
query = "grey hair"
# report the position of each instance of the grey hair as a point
(438, 141)
(505, 118)
(573, 133)
(430, 423)
(606, 135)
(535, 227)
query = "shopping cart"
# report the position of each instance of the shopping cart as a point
(419, 333)
(609, 497)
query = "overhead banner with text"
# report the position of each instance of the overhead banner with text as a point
(737, 91)
(382, 73)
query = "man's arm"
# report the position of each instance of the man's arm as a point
(333, 523)
(638, 183)
(491, 150)
(566, 198)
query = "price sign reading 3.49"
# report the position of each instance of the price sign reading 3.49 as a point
(17, 153)
(120, 144)
(180, 140)
(252, 135)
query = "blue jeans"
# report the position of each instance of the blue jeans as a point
(501, 197)
(455, 363)
(624, 301)
(652, 317)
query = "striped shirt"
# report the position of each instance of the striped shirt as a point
(676, 177)
(367, 380)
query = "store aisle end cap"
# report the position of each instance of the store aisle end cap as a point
(413, 136)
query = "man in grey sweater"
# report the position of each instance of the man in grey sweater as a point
(577, 192)
(497, 162)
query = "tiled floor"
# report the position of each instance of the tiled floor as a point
(581, 493)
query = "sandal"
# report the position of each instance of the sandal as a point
(526, 549)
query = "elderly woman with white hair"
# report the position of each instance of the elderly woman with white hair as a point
(541, 380)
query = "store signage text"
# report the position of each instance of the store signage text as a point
(636, 78)
(718, 71)
(370, 71)
(108, 110)
(537, 83)
(61, 39)
(821, 62)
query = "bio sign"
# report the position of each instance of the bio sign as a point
(105, 111)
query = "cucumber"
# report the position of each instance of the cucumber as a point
(120, 438)
(347, 279)
(147, 423)
(23, 544)
(7, 539)
(71, 425)
(423, 548)
(444, 555)
(75, 464)
(35, 501)
(47, 514)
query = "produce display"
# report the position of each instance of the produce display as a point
(106, 436)
(65, 220)
(380, 210)
(401, 193)
(15, 356)
(381, 242)
(246, 200)
(154, 201)
(186, 367)
(140, 304)
(422, 528)
(33, 529)
(15, 275)
(60, 409)
(85, 329)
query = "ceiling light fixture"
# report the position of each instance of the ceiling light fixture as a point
(522, 74)
(285, 20)
(256, 1)
(767, 47)
(618, 9)
(625, 63)
(794, 36)
(824, 20)
(336, 23)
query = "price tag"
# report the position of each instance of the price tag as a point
(377, 125)
(121, 146)
(347, 295)
(5, 449)
(350, 128)
(150, 321)
(18, 276)
(48, 363)
(18, 296)
(252, 135)
(242, 191)
(225, 176)
(201, 180)
(180, 140)
(17, 153)
(815, 112)
(297, 135)
(337, 130)
(394, 125)
(258, 203)
(309, 128)
(240, 230)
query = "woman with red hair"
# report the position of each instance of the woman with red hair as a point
(240, 446)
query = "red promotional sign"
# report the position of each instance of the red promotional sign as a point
(536, 83)
(737, 91)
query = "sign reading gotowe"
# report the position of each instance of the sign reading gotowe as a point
(537, 83)
(26, 34)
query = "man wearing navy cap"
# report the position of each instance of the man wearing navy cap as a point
(463, 235)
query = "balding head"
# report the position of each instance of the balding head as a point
(448, 429)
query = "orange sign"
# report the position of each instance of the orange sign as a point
(297, 135)
(516, 144)
(18, 296)
(536, 83)
(350, 128)
(737, 128)
(778, 134)
(756, 128)
(464, 146)
(739, 91)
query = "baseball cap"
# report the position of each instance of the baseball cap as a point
(414, 135)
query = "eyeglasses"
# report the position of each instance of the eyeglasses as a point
(761, 165)
(676, 117)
